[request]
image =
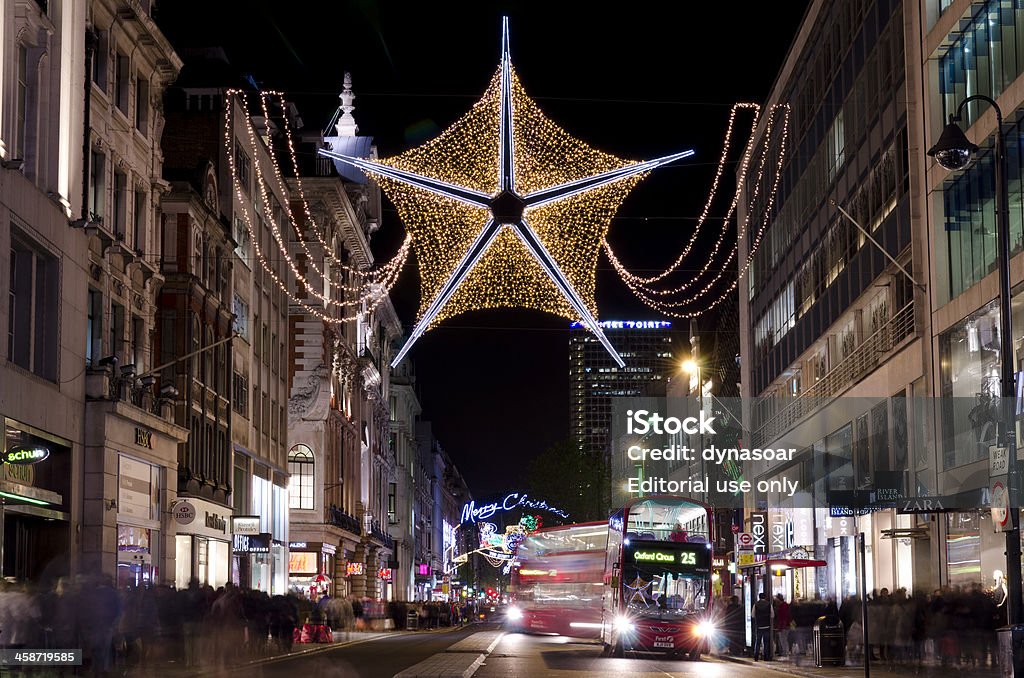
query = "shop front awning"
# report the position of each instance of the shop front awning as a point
(786, 563)
(27, 494)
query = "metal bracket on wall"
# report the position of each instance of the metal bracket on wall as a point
(874, 242)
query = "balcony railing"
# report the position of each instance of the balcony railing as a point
(375, 531)
(862, 360)
(338, 518)
(109, 383)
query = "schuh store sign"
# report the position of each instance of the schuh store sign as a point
(25, 454)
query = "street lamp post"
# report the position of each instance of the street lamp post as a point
(954, 151)
(693, 368)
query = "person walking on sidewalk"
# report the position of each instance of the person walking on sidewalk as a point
(763, 627)
(782, 621)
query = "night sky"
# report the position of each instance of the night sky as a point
(642, 81)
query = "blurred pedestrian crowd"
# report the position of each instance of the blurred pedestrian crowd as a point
(150, 630)
(950, 627)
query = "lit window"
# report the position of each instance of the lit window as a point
(836, 146)
(300, 484)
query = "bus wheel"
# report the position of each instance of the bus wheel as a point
(694, 654)
(617, 650)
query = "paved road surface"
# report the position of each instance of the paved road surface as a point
(381, 658)
(524, 656)
(515, 656)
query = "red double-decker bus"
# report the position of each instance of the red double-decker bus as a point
(557, 585)
(657, 578)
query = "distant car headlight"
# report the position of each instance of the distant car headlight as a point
(704, 629)
(623, 625)
(514, 614)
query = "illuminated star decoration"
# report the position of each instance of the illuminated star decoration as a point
(544, 201)
(639, 588)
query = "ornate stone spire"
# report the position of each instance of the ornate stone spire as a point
(346, 123)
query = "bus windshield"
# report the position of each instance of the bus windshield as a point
(665, 580)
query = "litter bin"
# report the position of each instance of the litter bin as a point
(412, 619)
(829, 642)
(1011, 651)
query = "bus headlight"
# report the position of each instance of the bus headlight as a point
(623, 625)
(705, 629)
(514, 614)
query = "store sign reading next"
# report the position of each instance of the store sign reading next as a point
(25, 454)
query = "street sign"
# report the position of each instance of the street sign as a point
(1000, 506)
(745, 559)
(745, 542)
(998, 461)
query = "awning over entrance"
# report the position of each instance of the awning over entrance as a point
(786, 563)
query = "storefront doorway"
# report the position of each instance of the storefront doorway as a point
(34, 548)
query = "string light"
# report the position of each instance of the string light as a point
(641, 286)
(722, 161)
(274, 229)
(643, 283)
(363, 276)
(770, 201)
(370, 285)
(328, 249)
(665, 307)
(370, 295)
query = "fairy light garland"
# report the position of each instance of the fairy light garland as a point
(633, 281)
(639, 285)
(274, 228)
(286, 208)
(310, 222)
(370, 295)
(722, 161)
(328, 249)
(768, 207)
(665, 307)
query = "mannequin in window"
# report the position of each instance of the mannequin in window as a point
(998, 588)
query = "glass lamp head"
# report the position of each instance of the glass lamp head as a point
(954, 150)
